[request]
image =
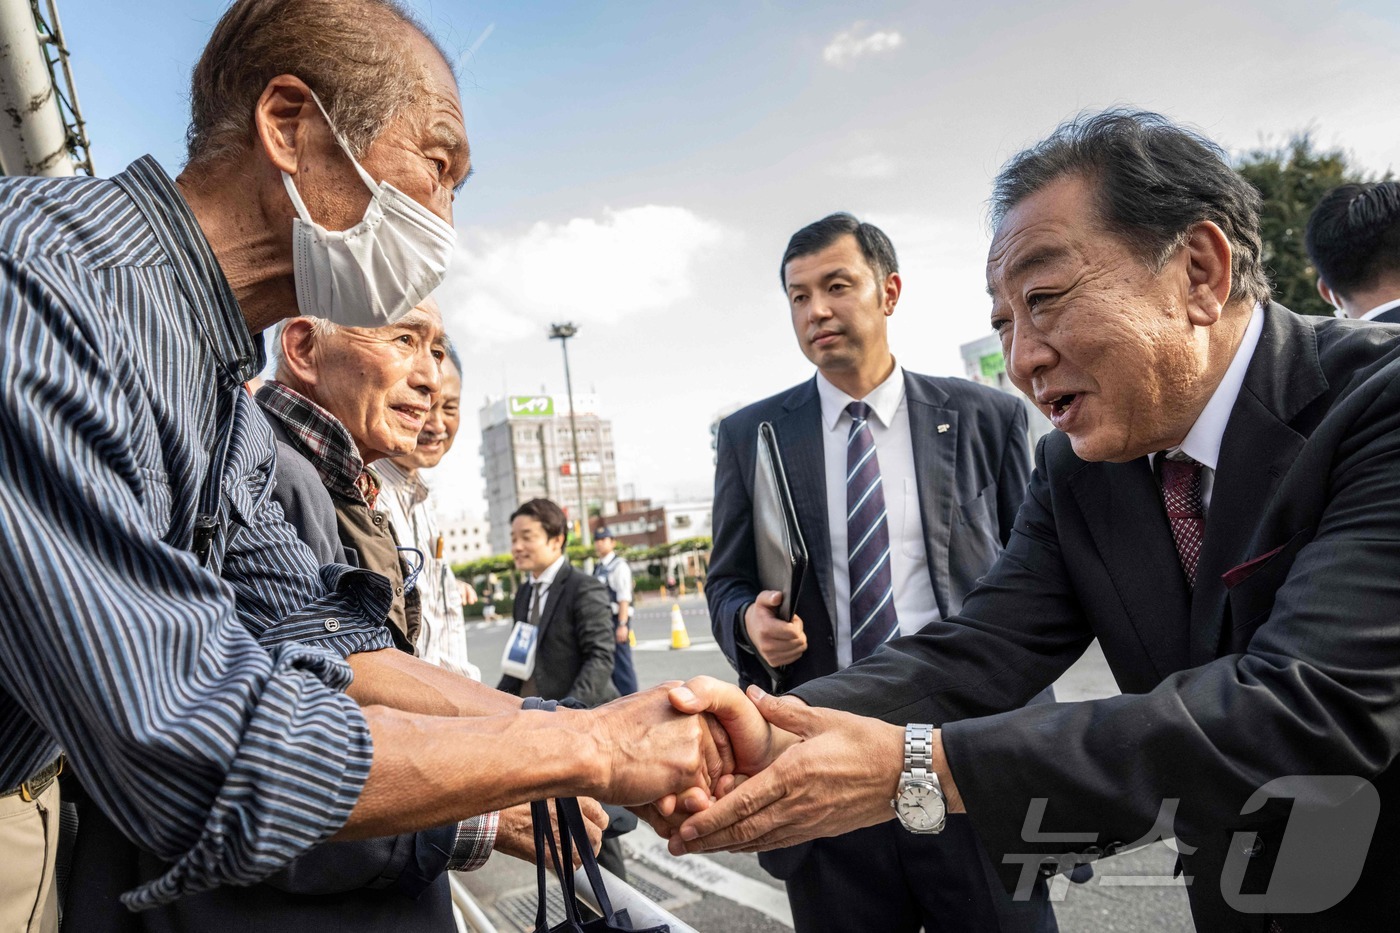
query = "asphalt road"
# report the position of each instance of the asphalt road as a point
(1131, 893)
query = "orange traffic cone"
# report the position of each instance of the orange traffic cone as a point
(680, 638)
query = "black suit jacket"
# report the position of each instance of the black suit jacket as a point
(1284, 661)
(971, 478)
(577, 645)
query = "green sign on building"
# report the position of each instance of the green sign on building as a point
(531, 406)
(993, 365)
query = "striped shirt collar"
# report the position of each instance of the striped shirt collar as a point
(197, 271)
(320, 437)
(395, 476)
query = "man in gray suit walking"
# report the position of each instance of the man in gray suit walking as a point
(906, 487)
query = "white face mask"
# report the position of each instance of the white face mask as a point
(374, 273)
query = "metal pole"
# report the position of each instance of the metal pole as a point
(544, 459)
(578, 463)
(34, 140)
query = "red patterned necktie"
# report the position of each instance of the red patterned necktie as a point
(1181, 493)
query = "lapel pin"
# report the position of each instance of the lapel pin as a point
(943, 428)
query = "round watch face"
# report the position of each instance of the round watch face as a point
(920, 807)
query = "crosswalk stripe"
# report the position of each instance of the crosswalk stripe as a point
(703, 872)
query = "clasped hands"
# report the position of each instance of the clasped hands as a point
(766, 771)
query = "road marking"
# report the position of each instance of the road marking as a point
(710, 876)
(494, 623)
(664, 644)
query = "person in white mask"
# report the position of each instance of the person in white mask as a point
(371, 274)
(226, 702)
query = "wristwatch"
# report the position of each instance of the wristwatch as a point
(920, 805)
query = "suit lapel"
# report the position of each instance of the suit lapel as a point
(1257, 448)
(935, 465)
(799, 432)
(1122, 507)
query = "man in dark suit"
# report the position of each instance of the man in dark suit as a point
(568, 610)
(568, 617)
(1220, 508)
(905, 488)
(1353, 240)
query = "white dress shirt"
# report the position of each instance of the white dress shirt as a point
(1378, 310)
(914, 600)
(442, 631)
(619, 579)
(543, 582)
(1202, 442)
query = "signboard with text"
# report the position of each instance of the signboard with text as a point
(993, 365)
(531, 406)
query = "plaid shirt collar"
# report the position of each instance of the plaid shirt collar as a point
(323, 440)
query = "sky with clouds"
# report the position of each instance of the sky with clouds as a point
(640, 166)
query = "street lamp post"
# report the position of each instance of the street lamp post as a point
(562, 333)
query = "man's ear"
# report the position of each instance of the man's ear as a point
(894, 285)
(1208, 255)
(1329, 296)
(299, 361)
(282, 120)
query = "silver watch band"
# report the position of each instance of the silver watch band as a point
(918, 752)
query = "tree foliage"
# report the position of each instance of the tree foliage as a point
(577, 554)
(1292, 178)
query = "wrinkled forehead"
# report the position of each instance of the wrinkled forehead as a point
(437, 117)
(426, 314)
(1048, 229)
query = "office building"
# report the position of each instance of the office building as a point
(637, 523)
(465, 538)
(527, 452)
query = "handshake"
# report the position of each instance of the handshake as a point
(710, 767)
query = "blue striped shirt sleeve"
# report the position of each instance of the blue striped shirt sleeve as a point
(269, 567)
(216, 753)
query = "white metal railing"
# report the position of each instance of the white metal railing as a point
(44, 133)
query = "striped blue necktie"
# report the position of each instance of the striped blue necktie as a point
(873, 619)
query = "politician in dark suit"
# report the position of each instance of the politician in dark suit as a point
(1221, 509)
(1353, 241)
(940, 467)
(569, 609)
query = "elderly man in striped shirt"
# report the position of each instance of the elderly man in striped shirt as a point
(163, 626)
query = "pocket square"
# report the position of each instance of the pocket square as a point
(1237, 575)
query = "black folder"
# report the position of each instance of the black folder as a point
(782, 554)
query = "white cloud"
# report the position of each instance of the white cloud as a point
(865, 167)
(506, 286)
(857, 41)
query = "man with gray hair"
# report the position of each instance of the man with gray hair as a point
(1220, 508)
(407, 501)
(227, 701)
